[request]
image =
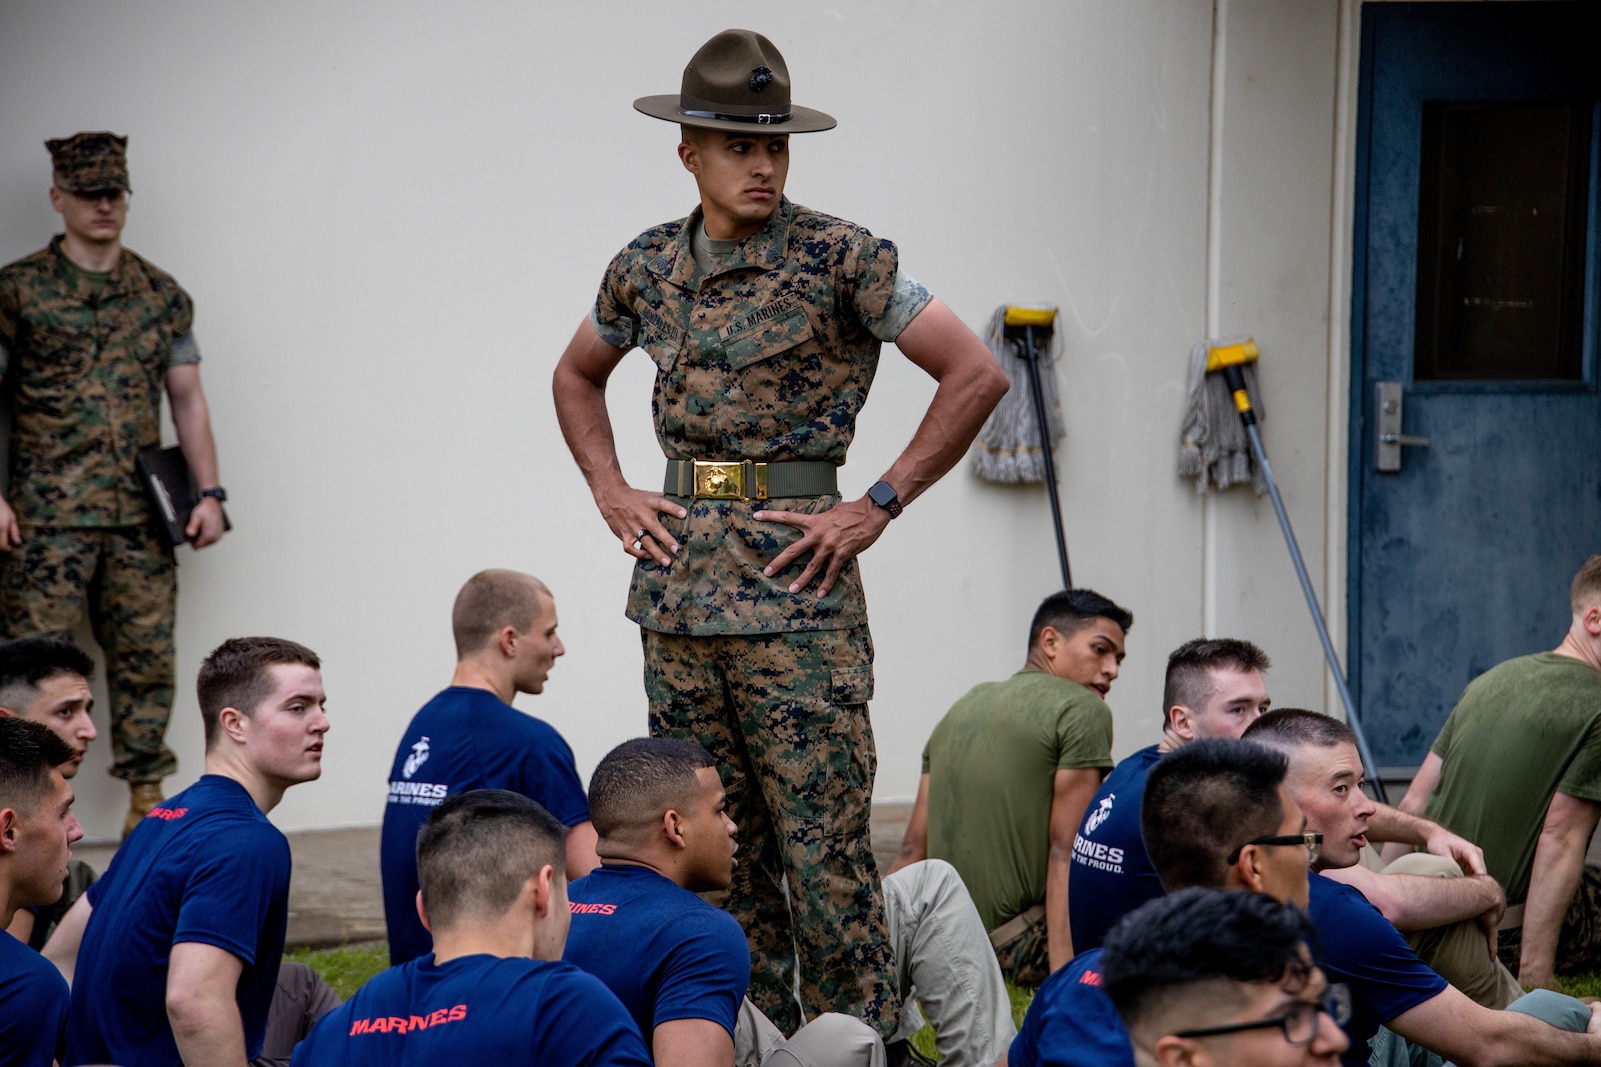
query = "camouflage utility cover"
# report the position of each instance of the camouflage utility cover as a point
(770, 358)
(87, 371)
(90, 162)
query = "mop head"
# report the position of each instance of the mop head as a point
(1009, 443)
(1214, 448)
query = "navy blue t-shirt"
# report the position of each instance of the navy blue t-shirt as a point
(33, 1006)
(664, 951)
(479, 1011)
(1362, 949)
(1111, 874)
(207, 867)
(1072, 1022)
(464, 739)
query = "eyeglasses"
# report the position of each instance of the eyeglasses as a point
(1312, 841)
(1299, 1023)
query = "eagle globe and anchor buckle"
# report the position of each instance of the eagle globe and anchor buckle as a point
(730, 481)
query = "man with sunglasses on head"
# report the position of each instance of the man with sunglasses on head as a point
(1204, 978)
(90, 335)
(1390, 986)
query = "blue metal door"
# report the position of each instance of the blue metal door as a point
(1475, 304)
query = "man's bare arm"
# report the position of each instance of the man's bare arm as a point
(581, 855)
(62, 948)
(1391, 824)
(1071, 793)
(1558, 864)
(1418, 902)
(970, 385)
(201, 983)
(191, 417)
(914, 842)
(1415, 801)
(1474, 1036)
(691, 1043)
(579, 386)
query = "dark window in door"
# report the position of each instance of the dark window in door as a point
(1501, 240)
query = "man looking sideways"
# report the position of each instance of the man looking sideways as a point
(173, 954)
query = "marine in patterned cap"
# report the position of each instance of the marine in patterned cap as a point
(90, 335)
(765, 320)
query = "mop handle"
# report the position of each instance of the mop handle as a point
(1311, 602)
(1038, 392)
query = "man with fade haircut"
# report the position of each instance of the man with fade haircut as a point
(1447, 913)
(1205, 978)
(1390, 986)
(765, 321)
(494, 990)
(90, 336)
(470, 737)
(1213, 688)
(37, 829)
(46, 680)
(1517, 768)
(664, 836)
(1009, 771)
(173, 954)
(1216, 815)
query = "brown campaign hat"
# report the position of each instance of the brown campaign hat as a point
(737, 81)
(90, 162)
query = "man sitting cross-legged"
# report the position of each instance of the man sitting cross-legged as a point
(494, 990)
(1219, 815)
(37, 829)
(659, 808)
(1206, 978)
(181, 938)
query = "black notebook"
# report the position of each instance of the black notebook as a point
(171, 489)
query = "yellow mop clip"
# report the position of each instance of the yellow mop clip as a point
(1020, 315)
(1229, 359)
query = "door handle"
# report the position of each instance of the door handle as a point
(1390, 440)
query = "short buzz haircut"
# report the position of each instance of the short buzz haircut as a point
(235, 675)
(639, 780)
(478, 849)
(27, 661)
(492, 600)
(1071, 610)
(28, 752)
(1292, 728)
(1586, 590)
(1204, 801)
(1190, 667)
(1180, 962)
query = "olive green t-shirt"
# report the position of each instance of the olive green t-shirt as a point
(1521, 731)
(992, 763)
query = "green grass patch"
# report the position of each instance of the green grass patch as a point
(1021, 997)
(347, 967)
(1582, 985)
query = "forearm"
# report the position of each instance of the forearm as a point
(1058, 933)
(914, 842)
(207, 1028)
(910, 852)
(1558, 864)
(191, 417)
(585, 423)
(1422, 903)
(1394, 825)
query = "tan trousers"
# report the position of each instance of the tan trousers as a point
(1458, 952)
(830, 1040)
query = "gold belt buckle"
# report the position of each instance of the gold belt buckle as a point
(716, 480)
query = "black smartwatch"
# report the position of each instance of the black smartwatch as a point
(217, 493)
(883, 494)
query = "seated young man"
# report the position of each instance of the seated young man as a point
(658, 807)
(37, 830)
(1205, 978)
(494, 990)
(174, 953)
(1007, 775)
(46, 680)
(1219, 815)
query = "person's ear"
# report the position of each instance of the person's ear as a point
(506, 641)
(540, 890)
(55, 199)
(673, 827)
(422, 913)
(1248, 868)
(689, 156)
(1181, 720)
(1591, 620)
(232, 722)
(1173, 1051)
(9, 828)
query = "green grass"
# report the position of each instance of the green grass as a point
(345, 968)
(923, 1040)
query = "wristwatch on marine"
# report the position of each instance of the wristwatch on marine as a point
(216, 492)
(883, 494)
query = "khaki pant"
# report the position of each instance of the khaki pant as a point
(1458, 952)
(829, 1040)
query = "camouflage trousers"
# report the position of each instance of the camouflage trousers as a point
(126, 580)
(1578, 942)
(1025, 957)
(785, 716)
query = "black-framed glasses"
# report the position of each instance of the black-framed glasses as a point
(1299, 1023)
(1312, 841)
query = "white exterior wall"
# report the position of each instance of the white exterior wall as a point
(392, 216)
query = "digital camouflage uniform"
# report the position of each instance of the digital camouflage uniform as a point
(769, 358)
(85, 360)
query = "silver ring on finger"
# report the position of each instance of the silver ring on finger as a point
(639, 534)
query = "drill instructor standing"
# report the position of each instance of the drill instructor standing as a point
(89, 336)
(765, 319)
